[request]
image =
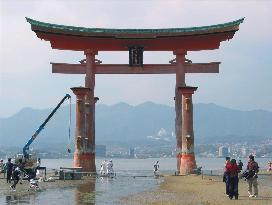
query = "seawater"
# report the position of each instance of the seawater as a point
(132, 176)
(103, 191)
(166, 164)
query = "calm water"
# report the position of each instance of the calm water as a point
(103, 191)
(166, 164)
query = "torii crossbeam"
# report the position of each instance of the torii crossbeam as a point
(135, 41)
(65, 68)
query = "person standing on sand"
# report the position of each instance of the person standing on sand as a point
(253, 169)
(21, 167)
(269, 166)
(15, 177)
(156, 168)
(226, 175)
(110, 168)
(240, 165)
(38, 165)
(2, 167)
(9, 166)
(103, 167)
(232, 170)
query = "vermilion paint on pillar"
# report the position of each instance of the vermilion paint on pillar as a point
(180, 82)
(187, 156)
(90, 105)
(82, 157)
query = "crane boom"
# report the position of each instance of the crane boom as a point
(33, 137)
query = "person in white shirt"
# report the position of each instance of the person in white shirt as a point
(110, 168)
(103, 167)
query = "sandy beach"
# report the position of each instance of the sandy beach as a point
(174, 190)
(195, 190)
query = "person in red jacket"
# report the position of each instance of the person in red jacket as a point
(232, 170)
(226, 175)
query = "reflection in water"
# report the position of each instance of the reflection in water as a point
(99, 191)
(85, 193)
(14, 199)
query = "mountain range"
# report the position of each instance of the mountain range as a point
(128, 125)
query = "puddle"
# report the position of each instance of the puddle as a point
(102, 191)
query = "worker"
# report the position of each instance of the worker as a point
(103, 167)
(38, 164)
(15, 177)
(21, 166)
(2, 170)
(9, 166)
(110, 168)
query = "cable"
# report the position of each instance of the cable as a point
(69, 132)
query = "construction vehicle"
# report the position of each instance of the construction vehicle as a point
(29, 160)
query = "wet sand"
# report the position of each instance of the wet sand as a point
(90, 190)
(23, 189)
(183, 190)
(193, 190)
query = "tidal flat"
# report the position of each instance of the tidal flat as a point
(200, 190)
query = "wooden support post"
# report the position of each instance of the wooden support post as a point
(90, 83)
(95, 100)
(80, 155)
(187, 161)
(180, 81)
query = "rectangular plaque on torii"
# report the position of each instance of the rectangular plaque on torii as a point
(136, 56)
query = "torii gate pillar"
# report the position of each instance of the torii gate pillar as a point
(90, 105)
(82, 156)
(187, 160)
(180, 82)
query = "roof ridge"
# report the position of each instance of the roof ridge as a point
(132, 31)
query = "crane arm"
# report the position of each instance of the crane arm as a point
(33, 137)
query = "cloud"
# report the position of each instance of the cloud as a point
(26, 78)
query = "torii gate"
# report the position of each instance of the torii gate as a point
(136, 41)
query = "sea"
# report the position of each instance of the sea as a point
(132, 176)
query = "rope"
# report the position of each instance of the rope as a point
(69, 131)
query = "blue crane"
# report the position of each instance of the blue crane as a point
(33, 137)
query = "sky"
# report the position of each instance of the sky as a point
(243, 83)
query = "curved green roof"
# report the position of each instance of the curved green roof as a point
(55, 28)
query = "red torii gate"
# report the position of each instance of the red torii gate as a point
(93, 40)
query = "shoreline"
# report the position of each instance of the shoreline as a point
(187, 190)
(23, 189)
(89, 190)
(193, 190)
